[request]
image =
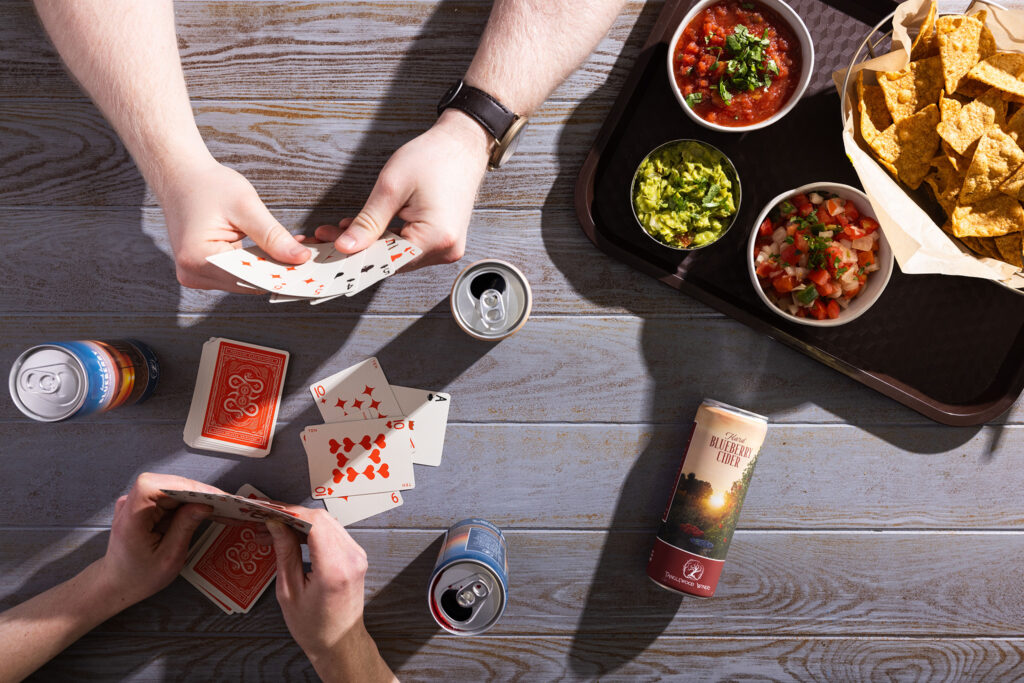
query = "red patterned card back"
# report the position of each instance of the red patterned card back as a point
(244, 395)
(237, 565)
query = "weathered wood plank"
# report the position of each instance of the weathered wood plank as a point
(588, 583)
(557, 369)
(185, 658)
(296, 153)
(829, 477)
(127, 257)
(384, 49)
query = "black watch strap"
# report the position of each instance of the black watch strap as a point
(487, 111)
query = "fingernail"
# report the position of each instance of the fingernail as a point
(347, 241)
(274, 527)
(200, 513)
(298, 250)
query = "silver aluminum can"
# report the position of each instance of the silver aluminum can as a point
(468, 588)
(491, 300)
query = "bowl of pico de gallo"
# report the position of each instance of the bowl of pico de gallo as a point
(817, 255)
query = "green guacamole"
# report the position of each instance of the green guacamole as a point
(683, 195)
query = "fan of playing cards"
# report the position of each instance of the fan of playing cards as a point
(362, 459)
(327, 275)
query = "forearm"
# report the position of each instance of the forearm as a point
(355, 658)
(530, 46)
(36, 631)
(124, 53)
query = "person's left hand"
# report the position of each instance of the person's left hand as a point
(149, 537)
(431, 184)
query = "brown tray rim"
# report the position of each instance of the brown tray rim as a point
(957, 415)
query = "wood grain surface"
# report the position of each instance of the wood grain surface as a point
(873, 545)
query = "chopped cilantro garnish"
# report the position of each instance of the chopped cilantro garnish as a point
(787, 207)
(723, 93)
(789, 240)
(841, 271)
(747, 68)
(860, 271)
(693, 99)
(747, 5)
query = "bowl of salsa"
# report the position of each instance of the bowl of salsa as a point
(817, 255)
(738, 65)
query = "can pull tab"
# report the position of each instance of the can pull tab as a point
(42, 380)
(491, 308)
(470, 594)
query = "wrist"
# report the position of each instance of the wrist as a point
(175, 174)
(469, 134)
(99, 593)
(353, 657)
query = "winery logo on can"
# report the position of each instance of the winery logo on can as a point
(708, 497)
(693, 570)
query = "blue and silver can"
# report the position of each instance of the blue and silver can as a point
(59, 380)
(469, 584)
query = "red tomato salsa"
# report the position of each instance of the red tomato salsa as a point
(737, 63)
(813, 254)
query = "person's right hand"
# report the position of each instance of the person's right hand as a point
(209, 208)
(324, 608)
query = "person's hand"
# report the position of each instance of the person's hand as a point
(149, 537)
(430, 183)
(324, 608)
(209, 208)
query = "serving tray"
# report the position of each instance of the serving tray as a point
(951, 348)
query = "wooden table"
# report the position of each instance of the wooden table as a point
(874, 543)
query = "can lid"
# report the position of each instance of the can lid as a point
(48, 383)
(466, 598)
(491, 299)
(725, 407)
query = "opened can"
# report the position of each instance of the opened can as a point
(469, 585)
(491, 300)
(59, 380)
(699, 520)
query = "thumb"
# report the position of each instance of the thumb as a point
(384, 202)
(186, 520)
(271, 236)
(289, 557)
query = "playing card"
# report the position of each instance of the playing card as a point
(376, 266)
(227, 564)
(240, 507)
(427, 413)
(400, 250)
(354, 458)
(360, 392)
(350, 509)
(236, 398)
(255, 267)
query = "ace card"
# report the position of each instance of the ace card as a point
(427, 413)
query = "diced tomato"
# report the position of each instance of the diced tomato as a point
(805, 209)
(832, 309)
(791, 229)
(823, 289)
(833, 257)
(852, 232)
(842, 219)
(819, 276)
(801, 312)
(783, 284)
(790, 255)
(865, 258)
(851, 211)
(835, 205)
(849, 294)
(868, 224)
(800, 200)
(800, 242)
(824, 216)
(767, 269)
(766, 227)
(818, 310)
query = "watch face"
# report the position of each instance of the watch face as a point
(510, 143)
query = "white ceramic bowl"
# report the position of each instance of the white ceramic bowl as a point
(876, 281)
(803, 36)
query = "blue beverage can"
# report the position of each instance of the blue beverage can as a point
(59, 380)
(469, 585)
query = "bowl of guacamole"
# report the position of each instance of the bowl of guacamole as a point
(685, 194)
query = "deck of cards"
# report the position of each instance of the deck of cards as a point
(327, 275)
(226, 563)
(236, 398)
(362, 458)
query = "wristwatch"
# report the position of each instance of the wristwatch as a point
(499, 121)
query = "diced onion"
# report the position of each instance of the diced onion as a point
(863, 243)
(779, 235)
(872, 268)
(825, 233)
(815, 198)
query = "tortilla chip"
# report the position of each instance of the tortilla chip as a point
(925, 44)
(945, 182)
(885, 146)
(1014, 126)
(973, 121)
(970, 89)
(992, 217)
(997, 157)
(949, 108)
(912, 89)
(983, 246)
(959, 47)
(917, 142)
(1014, 185)
(1011, 249)
(958, 161)
(871, 105)
(1001, 71)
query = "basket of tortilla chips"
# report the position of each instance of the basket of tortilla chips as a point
(935, 129)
